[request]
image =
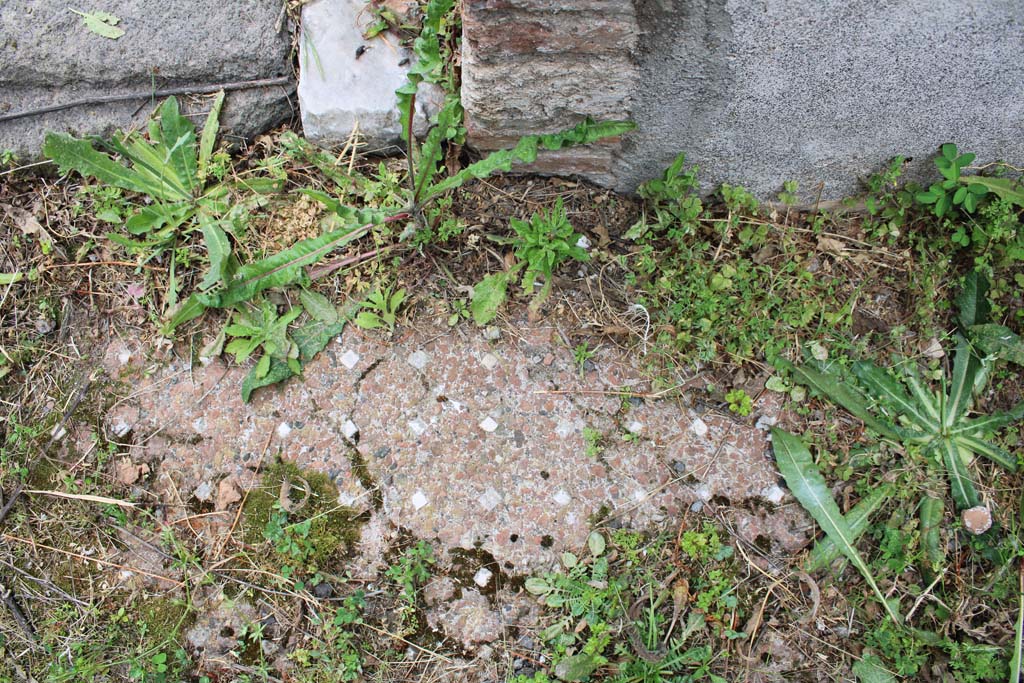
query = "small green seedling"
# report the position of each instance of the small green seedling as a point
(381, 309)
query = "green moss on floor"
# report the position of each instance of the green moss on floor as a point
(334, 529)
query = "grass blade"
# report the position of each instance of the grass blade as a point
(830, 385)
(964, 494)
(826, 551)
(808, 486)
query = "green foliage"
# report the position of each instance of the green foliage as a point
(592, 439)
(808, 486)
(380, 309)
(951, 192)
(488, 296)
(410, 571)
(673, 200)
(739, 402)
(543, 244)
(260, 326)
(904, 409)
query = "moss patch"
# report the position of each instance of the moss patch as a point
(334, 528)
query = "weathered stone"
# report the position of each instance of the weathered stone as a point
(754, 95)
(348, 84)
(531, 67)
(48, 57)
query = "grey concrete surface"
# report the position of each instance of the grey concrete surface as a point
(48, 57)
(757, 93)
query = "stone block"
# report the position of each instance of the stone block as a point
(348, 83)
(48, 57)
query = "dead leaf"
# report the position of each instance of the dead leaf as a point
(26, 221)
(831, 246)
(227, 493)
(126, 472)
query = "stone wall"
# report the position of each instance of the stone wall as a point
(756, 93)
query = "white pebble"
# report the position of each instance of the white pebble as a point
(283, 430)
(563, 498)
(489, 361)
(766, 422)
(699, 427)
(349, 429)
(483, 577)
(419, 500)
(635, 427)
(349, 359)
(773, 494)
(418, 359)
(488, 424)
(583, 242)
(489, 500)
(417, 426)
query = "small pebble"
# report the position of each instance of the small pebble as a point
(350, 359)
(418, 359)
(635, 427)
(204, 492)
(483, 577)
(489, 361)
(699, 427)
(563, 498)
(419, 500)
(492, 333)
(283, 430)
(488, 424)
(773, 494)
(977, 520)
(765, 422)
(349, 429)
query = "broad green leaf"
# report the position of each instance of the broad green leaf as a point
(930, 512)
(999, 341)
(190, 308)
(596, 543)
(79, 155)
(987, 424)
(831, 386)
(310, 339)
(318, 306)
(884, 388)
(368, 320)
(285, 267)
(825, 551)
(972, 302)
(965, 366)
(179, 139)
(103, 24)
(488, 296)
(209, 137)
(11, 278)
(994, 453)
(922, 394)
(1007, 189)
(964, 494)
(537, 586)
(218, 249)
(431, 151)
(578, 667)
(808, 486)
(152, 163)
(870, 669)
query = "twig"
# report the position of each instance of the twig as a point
(410, 142)
(150, 94)
(82, 496)
(19, 616)
(925, 594)
(614, 392)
